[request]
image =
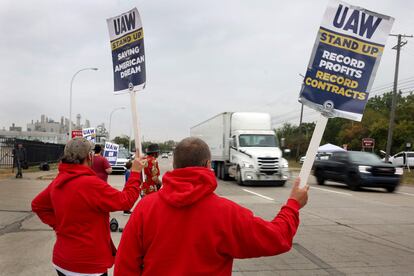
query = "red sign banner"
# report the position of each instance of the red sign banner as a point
(368, 143)
(76, 133)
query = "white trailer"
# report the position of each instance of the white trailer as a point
(244, 146)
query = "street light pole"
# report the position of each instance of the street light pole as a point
(70, 99)
(110, 121)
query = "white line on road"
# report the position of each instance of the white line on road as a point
(262, 196)
(327, 190)
(405, 193)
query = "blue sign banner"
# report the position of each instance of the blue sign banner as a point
(344, 60)
(111, 152)
(128, 55)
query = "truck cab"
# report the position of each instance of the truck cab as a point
(245, 147)
(256, 158)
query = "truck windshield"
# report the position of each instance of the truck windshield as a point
(257, 140)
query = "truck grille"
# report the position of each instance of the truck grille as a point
(383, 171)
(268, 165)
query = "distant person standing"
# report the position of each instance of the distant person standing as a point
(100, 164)
(19, 159)
(152, 181)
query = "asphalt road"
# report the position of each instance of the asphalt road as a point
(368, 232)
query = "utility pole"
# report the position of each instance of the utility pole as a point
(394, 94)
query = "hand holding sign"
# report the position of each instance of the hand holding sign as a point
(138, 164)
(300, 194)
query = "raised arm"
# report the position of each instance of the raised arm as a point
(252, 236)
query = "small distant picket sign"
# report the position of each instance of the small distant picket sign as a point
(77, 133)
(128, 59)
(111, 152)
(342, 67)
(89, 134)
(368, 143)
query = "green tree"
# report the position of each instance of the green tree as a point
(123, 141)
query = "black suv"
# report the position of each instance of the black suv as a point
(358, 169)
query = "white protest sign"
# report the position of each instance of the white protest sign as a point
(111, 152)
(89, 134)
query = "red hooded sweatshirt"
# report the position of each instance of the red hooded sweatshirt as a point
(76, 205)
(186, 229)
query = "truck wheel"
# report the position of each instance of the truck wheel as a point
(239, 177)
(215, 164)
(219, 170)
(221, 174)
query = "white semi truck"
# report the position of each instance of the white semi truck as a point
(244, 146)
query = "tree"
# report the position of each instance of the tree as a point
(123, 141)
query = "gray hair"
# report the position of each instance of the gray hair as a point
(76, 151)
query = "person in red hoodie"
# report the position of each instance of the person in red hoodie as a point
(76, 204)
(186, 229)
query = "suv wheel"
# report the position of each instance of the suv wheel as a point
(353, 181)
(319, 178)
(390, 189)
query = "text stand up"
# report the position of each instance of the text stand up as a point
(312, 149)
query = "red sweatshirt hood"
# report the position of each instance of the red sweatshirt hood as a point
(68, 172)
(183, 187)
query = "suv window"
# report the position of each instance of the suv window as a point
(339, 156)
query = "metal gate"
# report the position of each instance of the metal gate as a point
(37, 152)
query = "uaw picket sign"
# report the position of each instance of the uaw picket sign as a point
(128, 55)
(111, 152)
(89, 134)
(344, 60)
(342, 67)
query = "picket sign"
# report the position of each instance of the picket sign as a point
(128, 58)
(342, 68)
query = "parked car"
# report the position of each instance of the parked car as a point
(164, 155)
(403, 159)
(358, 169)
(123, 157)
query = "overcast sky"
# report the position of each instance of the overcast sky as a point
(202, 58)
